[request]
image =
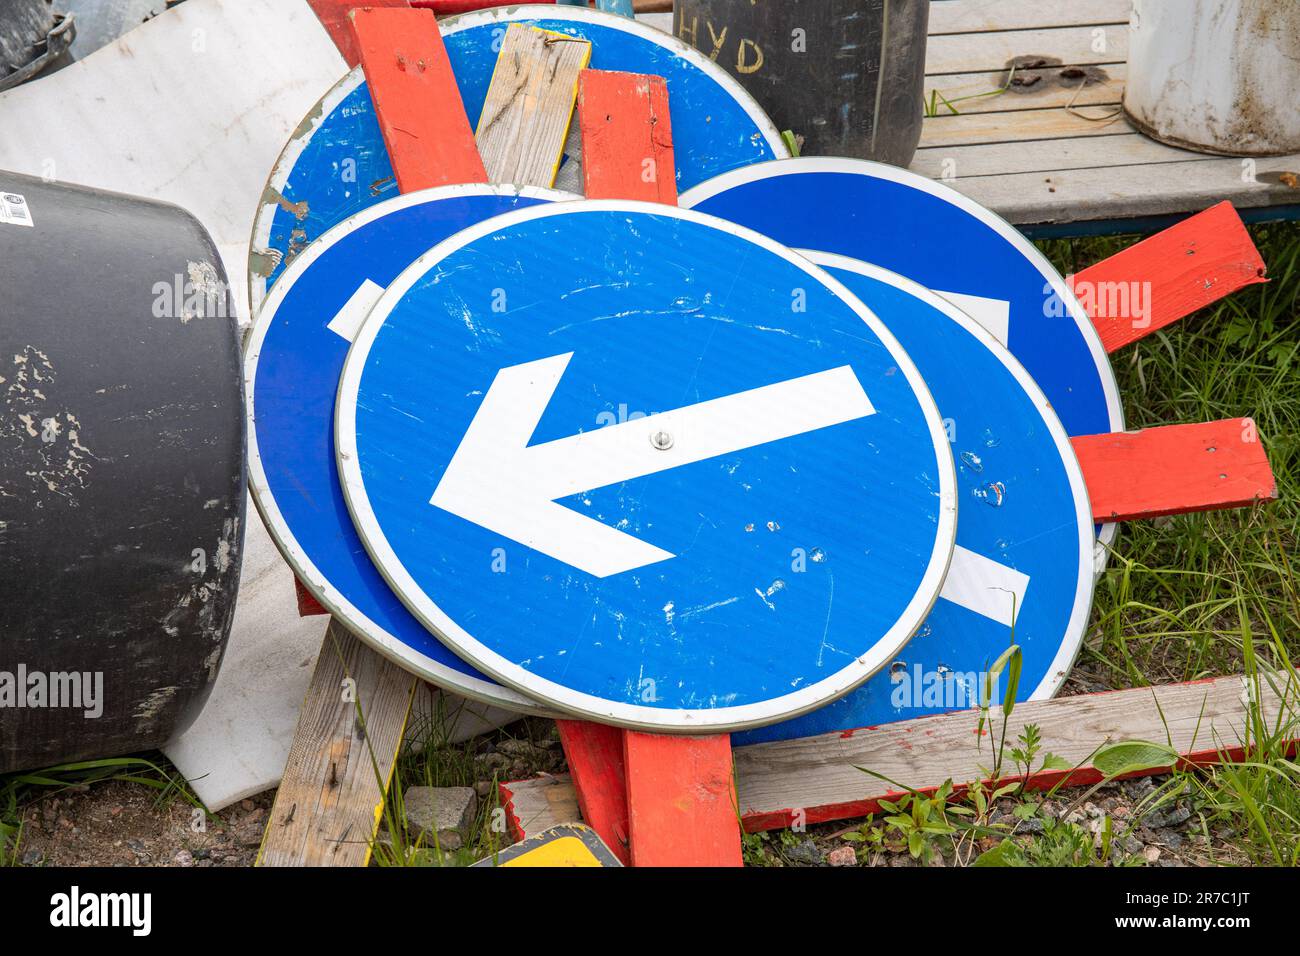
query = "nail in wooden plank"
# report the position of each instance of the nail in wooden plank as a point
(344, 751)
(627, 137)
(681, 800)
(529, 105)
(416, 98)
(818, 779)
(1169, 275)
(1175, 469)
(333, 15)
(595, 757)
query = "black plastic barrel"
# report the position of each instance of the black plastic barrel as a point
(121, 471)
(845, 76)
(33, 38)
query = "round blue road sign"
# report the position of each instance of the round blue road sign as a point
(1022, 568)
(934, 235)
(603, 449)
(291, 373)
(336, 164)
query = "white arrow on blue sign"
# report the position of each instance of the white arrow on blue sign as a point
(652, 572)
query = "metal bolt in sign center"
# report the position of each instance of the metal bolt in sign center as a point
(646, 466)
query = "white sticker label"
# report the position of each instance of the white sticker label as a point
(13, 210)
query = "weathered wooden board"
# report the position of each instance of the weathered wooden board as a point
(681, 800)
(1071, 45)
(1172, 274)
(1015, 127)
(1156, 189)
(1049, 155)
(416, 98)
(818, 778)
(982, 16)
(329, 804)
(1026, 89)
(1198, 467)
(529, 105)
(627, 138)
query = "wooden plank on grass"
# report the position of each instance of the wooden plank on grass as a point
(1175, 469)
(816, 779)
(627, 137)
(345, 747)
(981, 16)
(681, 800)
(416, 98)
(1072, 46)
(529, 105)
(1184, 268)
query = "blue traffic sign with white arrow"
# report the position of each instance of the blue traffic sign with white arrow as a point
(1022, 570)
(336, 165)
(664, 569)
(291, 370)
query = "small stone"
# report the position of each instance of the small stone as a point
(805, 852)
(1151, 853)
(1130, 844)
(842, 856)
(116, 811)
(445, 811)
(183, 858)
(483, 789)
(247, 804)
(31, 857)
(256, 815)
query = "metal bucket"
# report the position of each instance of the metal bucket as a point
(845, 76)
(1219, 76)
(121, 471)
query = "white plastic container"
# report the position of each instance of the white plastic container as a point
(1219, 76)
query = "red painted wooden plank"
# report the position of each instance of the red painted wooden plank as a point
(1175, 469)
(595, 757)
(627, 137)
(333, 15)
(681, 799)
(429, 139)
(307, 603)
(1168, 276)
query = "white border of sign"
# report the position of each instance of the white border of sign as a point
(261, 235)
(311, 576)
(1072, 639)
(615, 712)
(823, 164)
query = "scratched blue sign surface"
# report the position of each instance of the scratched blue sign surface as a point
(1024, 532)
(939, 238)
(292, 366)
(646, 467)
(339, 165)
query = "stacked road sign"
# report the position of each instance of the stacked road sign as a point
(753, 463)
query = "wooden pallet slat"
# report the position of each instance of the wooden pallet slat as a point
(1183, 268)
(529, 105)
(595, 756)
(977, 92)
(939, 132)
(1047, 156)
(627, 135)
(981, 16)
(1175, 469)
(344, 752)
(416, 98)
(333, 15)
(1071, 45)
